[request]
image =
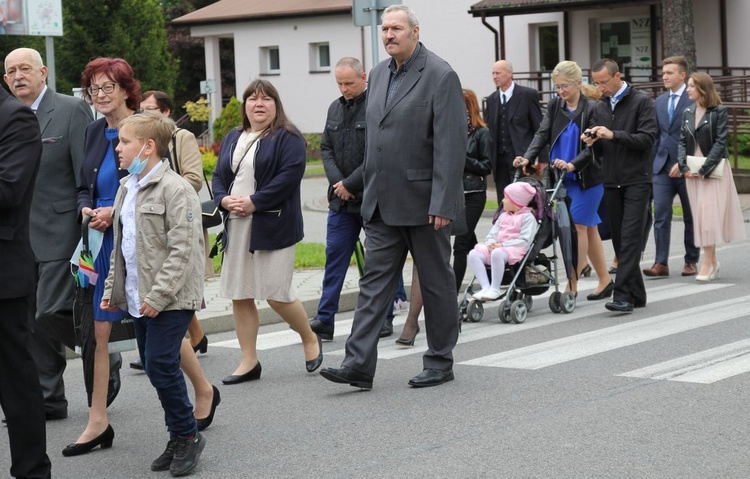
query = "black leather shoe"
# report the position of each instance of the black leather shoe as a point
(54, 415)
(387, 329)
(612, 270)
(137, 364)
(314, 364)
(431, 377)
(202, 345)
(323, 330)
(206, 421)
(345, 375)
(620, 306)
(104, 440)
(251, 375)
(163, 462)
(605, 293)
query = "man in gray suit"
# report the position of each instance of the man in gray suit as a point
(415, 153)
(54, 228)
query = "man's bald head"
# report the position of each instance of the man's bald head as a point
(502, 74)
(25, 74)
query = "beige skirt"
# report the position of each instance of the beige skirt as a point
(260, 275)
(717, 215)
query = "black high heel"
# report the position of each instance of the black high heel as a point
(202, 345)
(314, 364)
(605, 293)
(251, 375)
(586, 271)
(104, 440)
(206, 421)
(408, 341)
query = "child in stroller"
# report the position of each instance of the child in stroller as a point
(507, 242)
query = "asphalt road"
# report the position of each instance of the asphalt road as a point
(661, 393)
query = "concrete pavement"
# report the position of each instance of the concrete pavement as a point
(217, 317)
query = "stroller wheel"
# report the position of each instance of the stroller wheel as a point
(463, 310)
(518, 311)
(476, 311)
(529, 302)
(503, 312)
(554, 302)
(567, 302)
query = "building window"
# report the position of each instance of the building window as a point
(270, 63)
(549, 47)
(320, 57)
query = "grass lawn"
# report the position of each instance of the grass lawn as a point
(314, 168)
(306, 255)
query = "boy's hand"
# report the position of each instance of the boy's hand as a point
(105, 306)
(148, 310)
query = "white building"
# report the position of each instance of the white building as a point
(295, 43)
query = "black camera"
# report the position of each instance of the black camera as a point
(590, 134)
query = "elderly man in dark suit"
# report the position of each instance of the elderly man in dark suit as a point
(669, 107)
(512, 115)
(20, 394)
(54, 225)
(415, 153)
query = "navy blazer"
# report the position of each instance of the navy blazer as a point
(279, 164)
(94, 150)
(665, 145)
(20, 155)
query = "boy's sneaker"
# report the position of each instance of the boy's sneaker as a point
(186, 454)
(163, 462)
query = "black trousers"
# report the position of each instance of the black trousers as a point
(503, 171)
(20, 394)
(464, 243)
(626, 207)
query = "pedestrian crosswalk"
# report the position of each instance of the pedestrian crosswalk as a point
(704, 367)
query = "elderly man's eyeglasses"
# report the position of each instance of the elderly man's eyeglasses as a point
(107, 88)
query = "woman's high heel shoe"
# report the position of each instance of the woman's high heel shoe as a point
(206, 421)
(202, 345)
(251, 375)
(408, 341)
(104, 440)
(586, 271)
(314, 364)
(715, 274)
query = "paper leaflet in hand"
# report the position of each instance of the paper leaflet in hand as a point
(95, 245)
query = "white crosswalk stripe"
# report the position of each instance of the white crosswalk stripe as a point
(537, 319)
(705, 367)
(587, 344)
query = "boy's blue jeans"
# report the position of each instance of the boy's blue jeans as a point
(159, 341)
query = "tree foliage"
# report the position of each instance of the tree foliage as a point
(231, 116)
(129, 29)
(189, 50)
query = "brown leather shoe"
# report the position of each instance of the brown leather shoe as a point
(689, 270)
(657, 269)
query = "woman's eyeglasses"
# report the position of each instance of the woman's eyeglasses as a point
(107, 88)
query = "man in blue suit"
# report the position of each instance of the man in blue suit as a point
(669, 107)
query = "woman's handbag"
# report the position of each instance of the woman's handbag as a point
(209, 211)
(695, 163)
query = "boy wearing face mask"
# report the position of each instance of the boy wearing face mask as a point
(156, 273)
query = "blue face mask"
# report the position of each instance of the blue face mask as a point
(137, 165)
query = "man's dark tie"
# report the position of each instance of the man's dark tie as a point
(672, 101)
(504, 100)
